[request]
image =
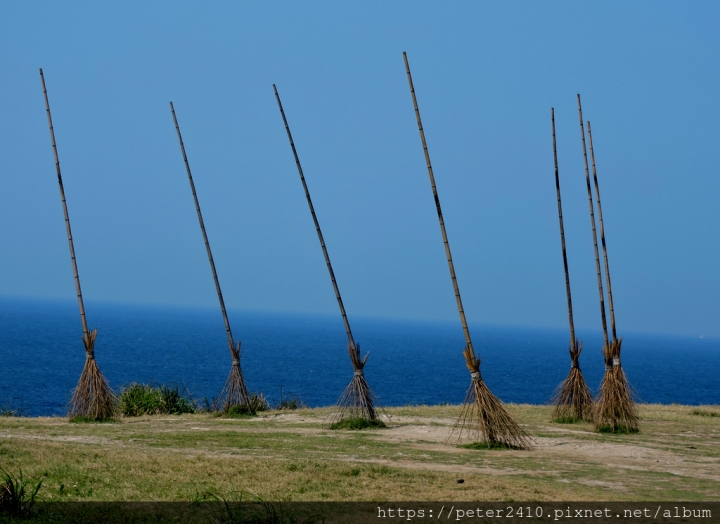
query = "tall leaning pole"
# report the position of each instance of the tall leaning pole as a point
(357, 401)
(92, 398)
(234, 394)
(573, 400)
(483, 416)
(616, 410)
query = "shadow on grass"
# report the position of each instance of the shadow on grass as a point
(620, 429)
(703, 413)
(487, 445)
(82, 419)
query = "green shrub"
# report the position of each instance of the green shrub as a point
(258, 403)
(144, 399)
(568, 420)
(357, 423)
(290, 403)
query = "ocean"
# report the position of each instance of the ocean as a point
(305, 356)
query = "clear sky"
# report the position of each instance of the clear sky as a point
(486, 76)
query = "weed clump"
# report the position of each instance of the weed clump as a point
(144, 399)
(17, 494)
(357, 424)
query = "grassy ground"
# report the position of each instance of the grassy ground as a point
(291, 456)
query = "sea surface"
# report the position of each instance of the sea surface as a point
(305, 356)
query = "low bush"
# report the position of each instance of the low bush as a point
(291, 403)
(258, 403)
(144, 399)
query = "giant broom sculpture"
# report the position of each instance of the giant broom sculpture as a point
(357, 399)
(483, 415)
(616, 410)
(234, 394)
(92, 398)
(573, 400)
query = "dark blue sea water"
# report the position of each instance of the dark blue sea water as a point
(41, 356)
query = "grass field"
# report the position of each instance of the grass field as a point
(291, 456)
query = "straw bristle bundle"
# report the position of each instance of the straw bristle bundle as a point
(572, 399)
(92, 398)
(483, 417)
(234, 393)
(357, 399)
(616, 410)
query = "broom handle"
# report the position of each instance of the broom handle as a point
(207, 243)
(602, 236)
(317, 224)
(86, 332)
(562, 234)
(592, 220)
(466, 331)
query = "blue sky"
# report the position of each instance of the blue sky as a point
(486, 76)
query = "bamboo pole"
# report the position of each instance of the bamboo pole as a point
(357, 401)
(602, 236)
(86, 332)
(482, 414)
(446, 243)
(592, 221)
(92, 398)
(573, 400)
(348, 331)
(573, 342)
(233, 348)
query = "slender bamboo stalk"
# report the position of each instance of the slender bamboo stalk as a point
(592, 221)
(602, 235)
(483, 414)
(616, 410)
(86, 332)
(92, 397)
(446, 243)
(351, 341)
(562, 235)
(235, 391)
(573, 399)
(204, 234)
(357, 399)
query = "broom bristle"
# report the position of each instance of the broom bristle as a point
(483, 417)
(616, 410)
(358, 400)
(572, 398)
(92, 397)
(234, 393)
